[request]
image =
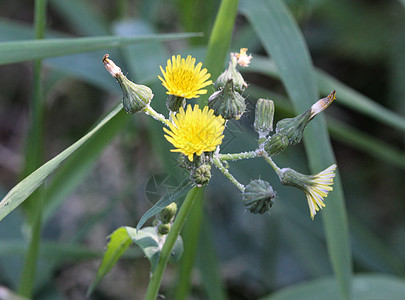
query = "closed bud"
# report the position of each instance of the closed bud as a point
(167, 214)
(201, 175)
(227, 102)
(233, 74)
(164, 229)
(258, 196)
(293, 128)
(264, 115)
(275, 144)
(135, 96)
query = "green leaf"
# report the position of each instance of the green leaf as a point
(151, 244)
(18, 51)
(28, 185)
(365, 287)
(147, 239)
(119, 243)
(282, 39)
(172, 196)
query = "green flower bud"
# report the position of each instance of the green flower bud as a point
(201, 175)
(164, 229)
(231, 74)
(227, 102)
(167, 214)
(293, 128)
(173, 103)
(258, 196)
(275, 144)
(136, 97)
(264, 115)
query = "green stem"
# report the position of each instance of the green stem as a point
(271, 162)
(34, 159)
(238, 156)
(228, 175)
(154, 114)
(154, 283)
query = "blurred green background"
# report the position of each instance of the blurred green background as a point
(110, 183)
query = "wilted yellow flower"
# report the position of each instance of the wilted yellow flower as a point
(195, 131)
(183, 79)
(316, 187)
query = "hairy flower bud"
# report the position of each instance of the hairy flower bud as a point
(233, 74)
(276, 144)
(264, 115)
(164, 229)
(201, 175)
(227, 102)
(258, 196)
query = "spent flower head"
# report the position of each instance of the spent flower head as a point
(183, 78)
(316, 187)
(195, 131)
(243, 58)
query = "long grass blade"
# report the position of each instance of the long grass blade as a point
(18, 51)
(28, 185)
(281, 38)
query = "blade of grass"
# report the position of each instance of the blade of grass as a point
(365, 287)
(345, 95)
(28, 185)
(33, 159)
(282, 39)
(18, 51)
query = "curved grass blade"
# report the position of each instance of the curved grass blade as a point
(28, 185)
(365, 287)
(282, 39)
(18, 51)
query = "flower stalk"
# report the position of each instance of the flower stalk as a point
(156, 278)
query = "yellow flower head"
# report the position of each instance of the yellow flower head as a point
(183, 79)
(316, 187)
(195, 131)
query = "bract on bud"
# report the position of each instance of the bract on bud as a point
(258, 196)
(276, 144)
(227, 102)
(201, 175)
(264, 115)
(233, 74)
(135, 96)
(173, 103)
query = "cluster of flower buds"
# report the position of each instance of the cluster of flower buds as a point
(164, 220)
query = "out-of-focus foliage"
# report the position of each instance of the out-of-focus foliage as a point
(356, 46)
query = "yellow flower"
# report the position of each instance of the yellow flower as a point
(316, 187)
(195, 131)
(183, 79)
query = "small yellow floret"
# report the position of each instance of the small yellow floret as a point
(195, 131)
(183, 79)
